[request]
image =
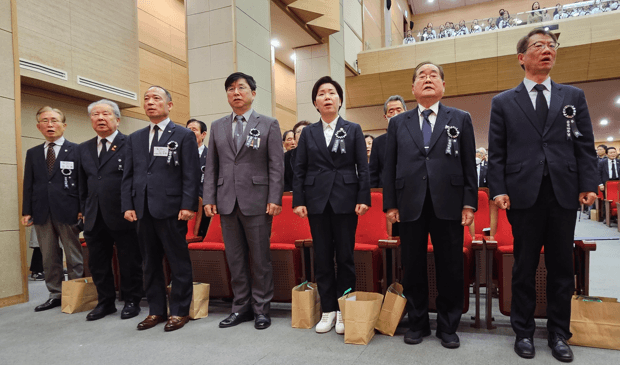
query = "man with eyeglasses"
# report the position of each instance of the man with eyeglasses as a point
(51, 203)
(393, 106)
(541, 168)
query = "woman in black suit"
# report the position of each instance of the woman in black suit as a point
(332, 188)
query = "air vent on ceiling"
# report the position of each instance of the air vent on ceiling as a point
(107, 88)
(44, 69)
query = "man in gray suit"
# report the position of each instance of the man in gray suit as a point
(244, 181)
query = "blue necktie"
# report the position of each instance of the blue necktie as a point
(427, 131)
(542, 109)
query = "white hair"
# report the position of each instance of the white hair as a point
(115, 109)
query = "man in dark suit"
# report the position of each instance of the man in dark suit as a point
(289, 156)
(394, 105)
(601, 152)
(51, 203)
(608, 168)
(481, 167)
(541, 175)
(431, 188)
(244, 184)
(200, 130)
(160, 191)
(101, 170)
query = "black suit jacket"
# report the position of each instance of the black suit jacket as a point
(289, 161)
(410, 171)
(202, 162)
(603, 170)
(322, 176)
(519, 146)
(100, 184)
(170, 188)
(482, 178)
(377, 159)
(44, 194)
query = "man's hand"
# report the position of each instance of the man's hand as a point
(301, 211)
(273, 209)
(131, 216)
(467, 217)
(392, 215)
(185, 214)
(210, 210)
(26, 220)
(502, 202)
(587, 198)
(361, 209)
(602, 187)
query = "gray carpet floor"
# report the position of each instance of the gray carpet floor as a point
(53, 337)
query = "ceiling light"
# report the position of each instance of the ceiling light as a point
(275, 43)
(431, 1)
(610, 139)
(618, 101)
(294, 57)
(604, 122)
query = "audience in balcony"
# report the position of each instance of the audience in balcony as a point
(536, 15)
(409, 38)
(491, 25)
(475, 27)
(462, 29)
(505, 22)
(560, 13)
(428, 34)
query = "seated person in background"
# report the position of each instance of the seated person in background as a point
(475, 28)
(505, 22)
(560, 13)
(288, 141)
(608, 169)
(501, 16)
(585, 10)
(462, 28)
(429, 35)
(536, 15)
(491, 25)
(409, 38)
(613, 5)
(604, 7)
(442, 32)
(596, 7)
(575, 12)
(430, 26)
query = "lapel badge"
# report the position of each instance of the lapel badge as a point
(453, 133)
(340, 136)
(570, 112)
(253, 139)
(113, 148)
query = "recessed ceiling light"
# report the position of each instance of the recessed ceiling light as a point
(275, 43)
(618, 101)
(610, 138)
(604, 122)
(294, 57)
(431, 1)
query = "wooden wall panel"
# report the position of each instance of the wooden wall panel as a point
(471, 47)
(604, 60)
(440, 51)
(372, 20)
(154, 32)
(571, 64)
(473, 77)
(397, 58)
(155, 70)
(180, 79)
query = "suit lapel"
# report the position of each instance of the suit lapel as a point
(92, 148)
(227, 125)
(557, 97)
(413, 126)
(252, 123)
(522, 98)
(117, 143)
(319, 139)
(443, 118)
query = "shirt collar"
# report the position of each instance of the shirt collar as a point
(200, 149)
(246, 115)
(57, 142)
(109, 138)
(162, 125)
(529, 84)
(332, 124)
(434, 108)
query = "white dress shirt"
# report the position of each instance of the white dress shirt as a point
(529, 86)
(329, 129)
(162, 126)
(610, 166)
(109, 140)
(58, 144)
(431, 118)
(200, 149)
(246, 117)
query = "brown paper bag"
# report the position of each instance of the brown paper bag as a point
(199, 308)
(594, 323)
(392, 310)
(360, 311)
(78, 295)
(306, 306)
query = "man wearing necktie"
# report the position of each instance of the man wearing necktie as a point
(244, 181)
(50, 202)
(542, 166)
(431, 188)
(101, 170)
(608, 167)
(159, 190)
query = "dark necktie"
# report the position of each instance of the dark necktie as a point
(614, 171)
(542, 109)
(239, 132)
(427, 130)
(155, 138)
(50, 158)
(104, 149)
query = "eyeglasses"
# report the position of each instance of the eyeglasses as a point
(52, 121)
(540, 46)
(231, 90)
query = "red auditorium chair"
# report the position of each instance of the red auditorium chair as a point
(288, 236)
(598, 204)
(209, 263)
(482, 222)
(611, 200)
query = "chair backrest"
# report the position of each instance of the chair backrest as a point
(214, 233)
(482, 215)
(372, 226)
(611, 191)
(503, 236)
(287, 227)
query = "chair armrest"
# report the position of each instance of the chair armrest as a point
(586, 245)
(490, 242)
(391, 242)
(308, 242)
(300, 243)
(194, 239)
(477, 244)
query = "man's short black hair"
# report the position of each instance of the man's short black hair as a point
(415, 72)
(327, 80)
(203, 126)
(285, 133)
(168, 95)
(369, 136)
(299, 124)
(238, 76)
(525, 40)
(602, 145)
(610, 148)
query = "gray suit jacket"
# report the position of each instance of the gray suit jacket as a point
(251, 177)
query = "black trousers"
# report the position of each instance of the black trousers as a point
(447, 238)
(544, 224)
(204, 224)
(158, 237)
(333, 234)
(36, 263)
(101, 241)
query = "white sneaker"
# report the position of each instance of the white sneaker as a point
(328, 320)
(339, 323)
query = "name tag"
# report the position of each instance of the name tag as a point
(160, 151)
(66, 165)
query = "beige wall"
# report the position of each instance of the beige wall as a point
(372, 21)
(285, 93)
(83, 38)
(397, 24)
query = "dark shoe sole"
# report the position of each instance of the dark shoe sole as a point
(262, 326)
(415, 341)
(448, 345)
(38, 309)
(525, 356)
(562, 359)
(100, 316)
(235, 324)
(129, 315)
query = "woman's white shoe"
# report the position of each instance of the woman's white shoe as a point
(339, 323)
(328, 320)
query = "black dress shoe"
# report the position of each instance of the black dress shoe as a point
(524, 347)
(449, 341)
(415, 337)
(51, 303)
(559, 347)
(130, 310)
(262, 321)
(236, 318)
(100, 311)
